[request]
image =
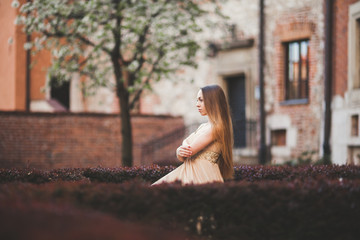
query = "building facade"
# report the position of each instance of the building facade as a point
(294, 33)
(345, 139)
(24, 81)
(293, 73)
(294, 80)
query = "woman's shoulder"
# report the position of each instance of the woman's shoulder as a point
(204, 129)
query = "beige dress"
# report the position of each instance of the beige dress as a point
(200, 168)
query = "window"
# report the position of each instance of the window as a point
(355, 125)
(297, 70)
(353, 155)
(278, 137)
(61, 92)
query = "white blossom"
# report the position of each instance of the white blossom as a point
(86, 19)
(10, 40)
(41, 26)
(17, 20)
(28, 46)
(15, 4)
(133, 65)
(55, 53)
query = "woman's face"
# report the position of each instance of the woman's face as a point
(200, 104)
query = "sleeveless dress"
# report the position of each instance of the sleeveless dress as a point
(200, 168)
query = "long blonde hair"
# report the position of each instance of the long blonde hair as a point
(218, 111)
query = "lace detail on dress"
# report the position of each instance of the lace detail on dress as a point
(211, 156)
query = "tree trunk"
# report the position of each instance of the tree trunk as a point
(126, 129)
(121, 77)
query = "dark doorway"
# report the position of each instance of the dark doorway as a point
(61, 92)
(237, 102)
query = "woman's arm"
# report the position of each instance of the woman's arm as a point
(198, 143)
(201, 141)
(182, 153)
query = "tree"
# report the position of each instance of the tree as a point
(124, 45)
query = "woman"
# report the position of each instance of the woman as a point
(206, 153)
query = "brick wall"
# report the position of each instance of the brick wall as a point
(290, 21)
(340, 41)
(345, 101)
(46, 140)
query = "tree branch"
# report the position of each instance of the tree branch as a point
(138, 93)
(116, 53)
(59, 34)
(142, 38)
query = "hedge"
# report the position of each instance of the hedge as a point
(153, 173)
(40, 176)
(289, 173)
(32, 220)
(313, 208)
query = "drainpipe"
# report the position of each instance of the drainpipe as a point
(262, 150)
(328, 79)
(28, 62)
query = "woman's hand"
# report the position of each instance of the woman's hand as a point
(184, 151)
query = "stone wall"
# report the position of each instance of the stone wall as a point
(45, 140)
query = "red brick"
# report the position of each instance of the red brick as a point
(46, 140)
